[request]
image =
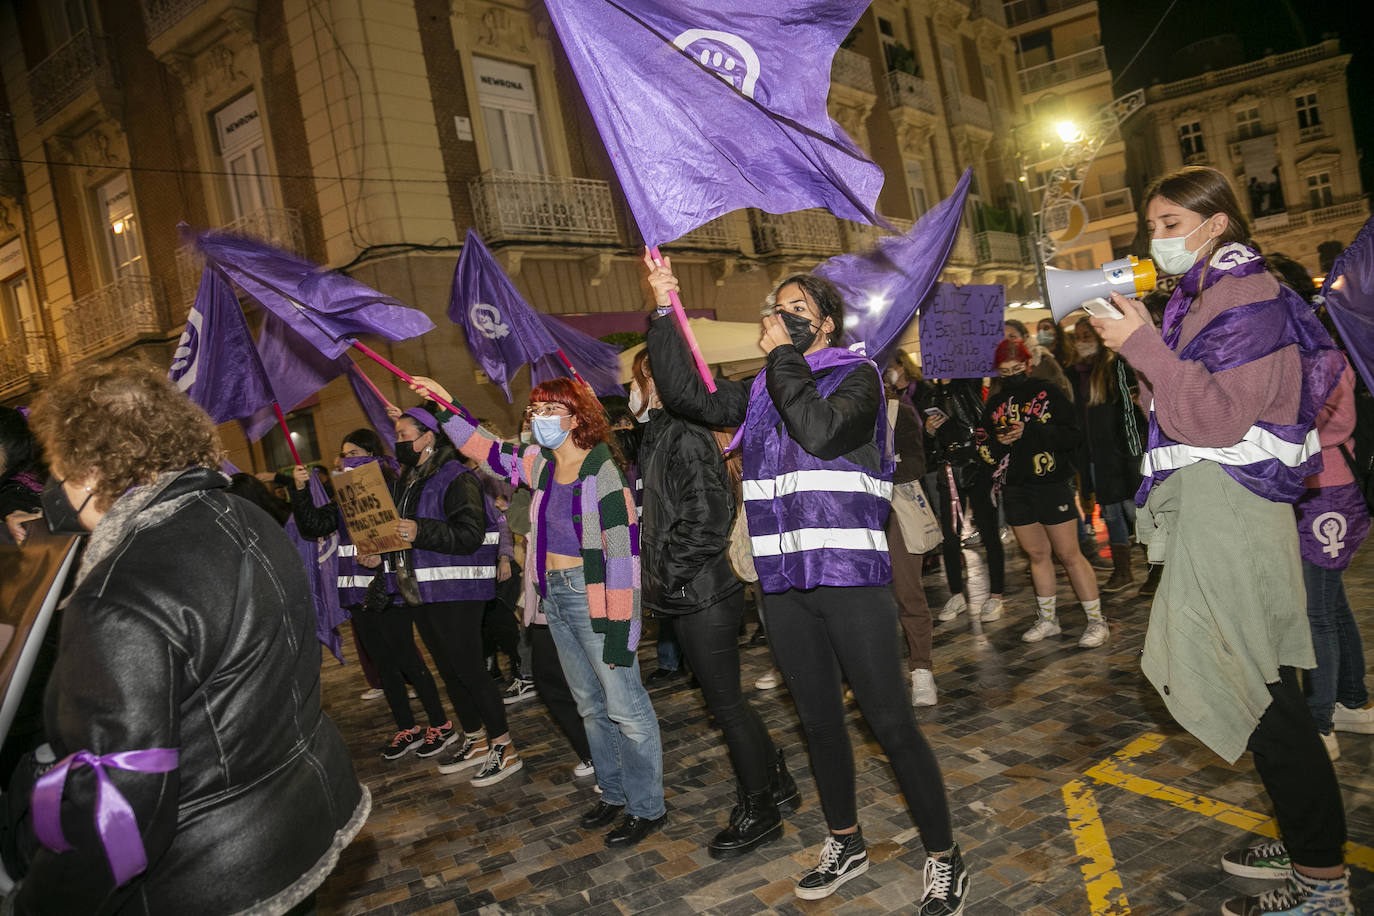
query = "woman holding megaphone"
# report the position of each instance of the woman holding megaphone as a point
(1232, 390)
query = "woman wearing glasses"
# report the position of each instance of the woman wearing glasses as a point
(1029, 435)
(582, 574)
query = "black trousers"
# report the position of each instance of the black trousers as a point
(710, 640)
(452, 631)
(389, 638)
(979, 497)
(817, 634)
(552, 687)
(500, 630)
(1296, 772)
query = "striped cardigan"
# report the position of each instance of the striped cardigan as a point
(605, 522)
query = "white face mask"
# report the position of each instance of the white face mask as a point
(638, 406)
(1172, 256)
(1087, 350)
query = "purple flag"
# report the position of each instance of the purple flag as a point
(1349, 295)
(296, 369)
(326, 308)
(883, 287)
(215, 361)
(504, 332)
(373, 405)
(707, 106)
(321, 559)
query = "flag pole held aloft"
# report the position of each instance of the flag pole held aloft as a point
(286, 431)
(680, 314)
(400, 373)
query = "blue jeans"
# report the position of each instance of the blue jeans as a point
(1339, 675)
(622, 729)
(1119, 517)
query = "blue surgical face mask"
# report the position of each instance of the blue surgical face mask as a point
(1172, 255)
(548, 431)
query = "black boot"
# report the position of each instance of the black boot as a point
(753, 822)
(1147, 590)
(782, 785)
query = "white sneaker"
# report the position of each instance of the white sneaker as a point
(953, 608)
(1095, 635)
(583, 768)
(991, 610)
(1045, 626)
(922, 687)
(1345, 719)
(768, 680)
(375, 693)
(1333, 749)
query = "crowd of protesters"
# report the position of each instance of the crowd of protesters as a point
(553, 546)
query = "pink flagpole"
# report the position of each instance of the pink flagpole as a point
(386, 364)
(286, 431)
(571, 368)
(375, 390)
(687, 334)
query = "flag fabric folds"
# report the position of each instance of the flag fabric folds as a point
(504, 332)
(1348, 292)
(707, 106)
(216, 363)
(321, 559)
(884, 287)
(296, 368)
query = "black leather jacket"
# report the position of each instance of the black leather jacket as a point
(193, 629)
(684, 535)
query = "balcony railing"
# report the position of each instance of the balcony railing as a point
(82, 63)
(11, 175)
(1347, 210)
(717, 234)
(23, 362)
(1274, 62)
(161, 15)
(803, 232)
(1109, 204)
(853, 70)
(281, 228)
(963, 250)
(965, 109)
(907, 91)
(1001, 248)
(511, 206)
(1064, 69)
(114, 316)
(986, 9)
(862, 236)
(1019, 11)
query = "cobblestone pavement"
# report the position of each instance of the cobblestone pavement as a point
(1072, 790)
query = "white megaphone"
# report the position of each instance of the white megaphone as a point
(1071, 290)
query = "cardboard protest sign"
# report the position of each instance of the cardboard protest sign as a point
(961, 327)
(368, 511)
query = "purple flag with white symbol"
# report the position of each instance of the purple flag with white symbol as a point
(325, 307)
(297, 371)
(1349, 295)
(884, 287)
(216, 363)
(504, 332)
(707, 106)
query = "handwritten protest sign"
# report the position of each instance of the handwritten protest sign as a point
(961, 327)
(368, 511)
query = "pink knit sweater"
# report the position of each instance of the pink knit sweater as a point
(1336, 427)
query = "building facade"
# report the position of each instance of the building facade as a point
(1280, 128)
(369, 135)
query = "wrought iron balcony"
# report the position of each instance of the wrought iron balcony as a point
(862, 236)
(853, 70)
(23, 363)
(907, 91)
(161, 15)
(11, 175)
(1001, 248)
(716, 234)
(966, 110)
(1064, 69)
(126, 311)
(511, 206)
(279, 227)
(802, 232)
(82, 63)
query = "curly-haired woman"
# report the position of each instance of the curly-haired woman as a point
(188, 669)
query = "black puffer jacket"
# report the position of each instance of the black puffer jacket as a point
(191, 627)
(684, 535)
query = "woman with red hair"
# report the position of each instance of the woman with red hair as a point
(583, 576)
(1029, 435)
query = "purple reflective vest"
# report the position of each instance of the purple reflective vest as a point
(446, 576)
(353, 576)
(812, 521)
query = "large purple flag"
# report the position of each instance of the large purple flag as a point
(295, 367)
(325, 307)
(504, 332)
(215, 361)
(1349, 295)
(884, 287)
(373, 405)
(321, 559)
(707, 106)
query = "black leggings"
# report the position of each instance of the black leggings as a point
(500, 630)
(979, 496)
(389, 639)
(552, 687)
(1297, 774)
(452, 631)
(815, 635)
(710, 640)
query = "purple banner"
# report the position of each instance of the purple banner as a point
(961, 327)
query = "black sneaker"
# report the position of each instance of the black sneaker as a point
(406, 740)
(663, 676)
(842, 858)
(519, 689)
(946, 884)
(1267, 860)
(502, 760)
(1282, 899)
(436, 739)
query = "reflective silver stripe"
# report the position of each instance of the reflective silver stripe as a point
(354, 581)
(347, 550)
(435, 573)
(770, 545)
(1258, 445)
(492, 537)
(826, 481)
(489, 539)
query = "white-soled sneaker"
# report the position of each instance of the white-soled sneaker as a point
(946, 881)
(842, 858)
(991, 610)
(1095, 635)
(923, 687)
(953, 608)
(502, 760)
(1345, 719)
(1044, 626)
(584, 768)
(373, 693)
(768, 680)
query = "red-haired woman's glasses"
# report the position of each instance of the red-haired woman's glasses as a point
(547, 410)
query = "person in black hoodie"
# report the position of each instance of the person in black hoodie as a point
(1029, 435)
(685, 574)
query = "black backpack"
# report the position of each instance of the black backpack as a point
(1362, 461)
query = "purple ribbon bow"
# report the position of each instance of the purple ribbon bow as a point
(114, 819)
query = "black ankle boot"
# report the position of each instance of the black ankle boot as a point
(782, 785)
(753, 822)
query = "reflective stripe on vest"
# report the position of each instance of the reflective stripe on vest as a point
(825, 480)
(354, 581)
(1257, 445)
(770, 545)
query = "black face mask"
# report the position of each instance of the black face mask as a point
(57, 509)
(799, 328)
(406, 454)
(1012, 382)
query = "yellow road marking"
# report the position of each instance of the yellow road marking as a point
(1106, 896)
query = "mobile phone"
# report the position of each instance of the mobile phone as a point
(935, 412)
(1101, 308)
